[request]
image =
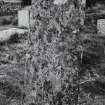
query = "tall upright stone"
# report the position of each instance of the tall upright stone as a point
(101, 26)
(52, 42)
(24, 17)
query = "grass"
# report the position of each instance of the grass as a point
(12, 68)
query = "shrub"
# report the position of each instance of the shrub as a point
(6, 21)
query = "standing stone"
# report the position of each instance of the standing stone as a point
(24, 18)
(52, 44)
(101, 26)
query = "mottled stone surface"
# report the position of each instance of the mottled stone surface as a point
(53, 41)
(101, 26)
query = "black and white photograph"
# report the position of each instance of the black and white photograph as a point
(52, 52)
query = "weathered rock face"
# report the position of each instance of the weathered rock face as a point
(53, 42)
